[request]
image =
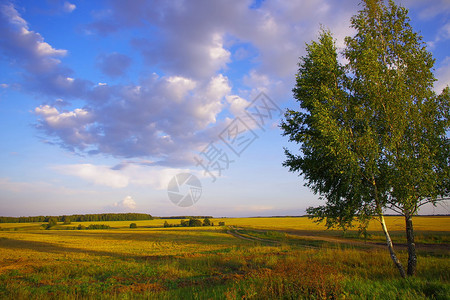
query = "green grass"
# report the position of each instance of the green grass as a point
(208, 263)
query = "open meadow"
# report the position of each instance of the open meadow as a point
(248, 258)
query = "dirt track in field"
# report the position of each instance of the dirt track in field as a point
(441, 248)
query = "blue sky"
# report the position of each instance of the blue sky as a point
(103, 102)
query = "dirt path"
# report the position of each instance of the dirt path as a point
(312, 238)
(336, 240)
(234, 232)
(372, 245)
(438, 248)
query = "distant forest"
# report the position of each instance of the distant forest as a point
(79, 218)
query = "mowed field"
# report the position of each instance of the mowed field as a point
(249, 258)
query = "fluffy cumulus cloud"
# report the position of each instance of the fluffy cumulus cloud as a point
(163, 117)
(197, 38)
(27, 47)
(186, 89)
(127, 203)
(45, 74)
(71, 126)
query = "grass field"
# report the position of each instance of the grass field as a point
(249, 258)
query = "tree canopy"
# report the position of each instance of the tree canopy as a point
(372, 132)
(80, 218)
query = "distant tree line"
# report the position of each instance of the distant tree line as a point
(52, 225)
(193, 222)
(79, 218)
(185, 217)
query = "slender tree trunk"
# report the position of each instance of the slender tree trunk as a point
(391, 248)
(412, 258)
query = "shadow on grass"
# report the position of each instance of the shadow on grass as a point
(8, 243)
(152, 236)
(104, 236)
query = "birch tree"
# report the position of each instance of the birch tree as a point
(372, 132)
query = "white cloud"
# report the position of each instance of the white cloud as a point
(126, 204)
(177, 87)
(443, 76)
(182, 54)
(18, 41)
(69, 7)
(71, 127)
(11, 13)
(165, 118)
(442, 35)
(99, 175)
(123, 175)
(162, 117)
(428, 9)
(237, 105)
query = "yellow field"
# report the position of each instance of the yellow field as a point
(394, 223)
(257, 261)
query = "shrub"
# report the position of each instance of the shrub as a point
(66, 220)
(98, 226)
(221, 223)
(206, 222)
(52, 222)
(133, 225)
(195, 222)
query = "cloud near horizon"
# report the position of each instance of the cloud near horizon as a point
(128, 173)
(127, 203)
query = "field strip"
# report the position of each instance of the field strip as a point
(306, 237)
(234, 232)
(338, 240)
(379, 245)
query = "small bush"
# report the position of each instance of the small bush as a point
(221, 223)
(195, 222)
(133, 225)
(98, 226)
(52, 222)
